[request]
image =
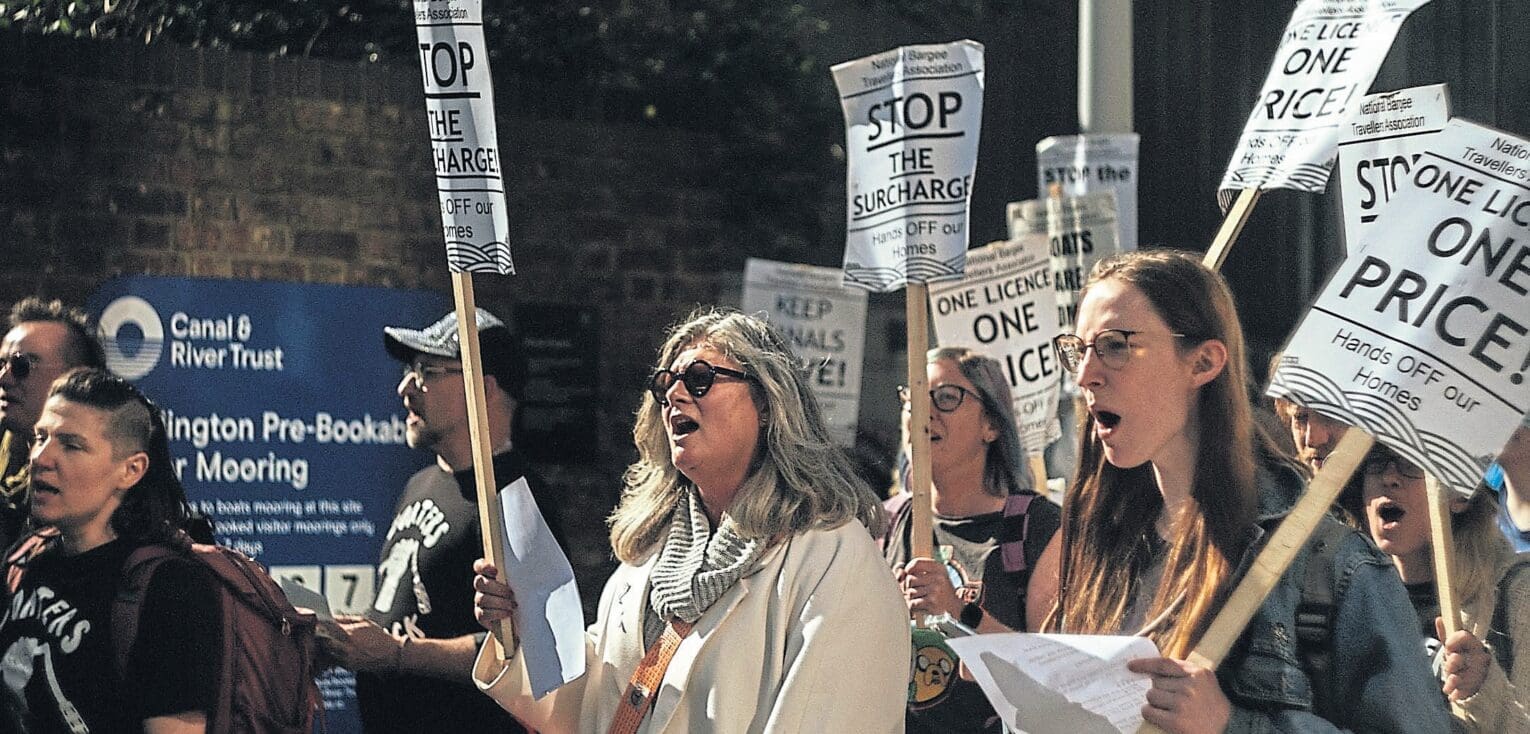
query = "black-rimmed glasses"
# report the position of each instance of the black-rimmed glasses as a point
(19, 365)
(697, 377)
(945, 398)
(1112, 346)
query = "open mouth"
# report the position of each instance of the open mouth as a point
(682, 425)
(1107, 419)
(1390, 513)
(41, 486)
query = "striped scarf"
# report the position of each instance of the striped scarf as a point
(695, 567)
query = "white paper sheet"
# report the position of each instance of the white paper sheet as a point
(551, 621)
(1060, 684)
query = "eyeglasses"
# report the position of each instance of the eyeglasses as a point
(20, 365)
(946, 398)
(419, 373)
(1375, 466)
(697, 377)
(1112, 346)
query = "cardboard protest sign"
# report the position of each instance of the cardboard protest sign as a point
(1422, 336)
(1003, 308)
(459, 105)
(826, 323)
(1327, 58)
(1080, 231)
(1082, 164)
(1378, 154)
(912, 117)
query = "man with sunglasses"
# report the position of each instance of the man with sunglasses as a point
(44, 339)
(413, 651)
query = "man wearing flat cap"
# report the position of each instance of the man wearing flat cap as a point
(413, 651)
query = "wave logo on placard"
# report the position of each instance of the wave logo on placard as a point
(133, 337)
(1456, 466)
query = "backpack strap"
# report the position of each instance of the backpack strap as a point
(1316, 609)
(894, 506)
(127, 605)
(22, 554)
(1012, 549)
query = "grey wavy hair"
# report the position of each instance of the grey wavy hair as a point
(798, 478)
(1005, 467)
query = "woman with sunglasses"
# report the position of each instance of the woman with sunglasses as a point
(747, 554)
(989, 529)
(1490, 681)
(1174, 489)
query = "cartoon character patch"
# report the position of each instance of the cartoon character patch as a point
(932, 668)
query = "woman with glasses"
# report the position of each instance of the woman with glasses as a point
(1174, 489)
(751, 592)
(1492, 584)
(989, 528)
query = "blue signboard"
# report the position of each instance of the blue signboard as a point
(283, 417)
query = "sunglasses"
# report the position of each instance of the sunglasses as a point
(1112, 346)
(19, 365)
(697, 377)
(946, 398)
(420, 374)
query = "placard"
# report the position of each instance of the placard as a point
(464, 143)
(912, 117)
(826, 324)
(1422, 337)
(1082, 164)
(1003, 308)
(1328, 56)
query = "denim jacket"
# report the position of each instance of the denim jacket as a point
(1379, 676)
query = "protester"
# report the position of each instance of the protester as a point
(989, 527)
(413, 652)
(1510, 478)
(1174, 490)
(44, 340)
(1492, 585)
(743, 536)
(101, 475)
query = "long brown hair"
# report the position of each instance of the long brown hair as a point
(1109, 512)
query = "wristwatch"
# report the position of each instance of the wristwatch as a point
(972, 615)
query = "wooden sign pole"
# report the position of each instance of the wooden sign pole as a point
(1232, 226)
(490, 524)
(1442, 538)
(922, 540)
(1039, 474)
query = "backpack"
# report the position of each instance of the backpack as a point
(1498, 640)
(266, 669)
(1017, 528)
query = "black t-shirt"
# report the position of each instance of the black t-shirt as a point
(975, 564)
(425, 589)
(59, 649)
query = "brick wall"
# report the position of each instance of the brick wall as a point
(116, 158)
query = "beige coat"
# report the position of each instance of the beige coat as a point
(1502, 704)
(816, 640)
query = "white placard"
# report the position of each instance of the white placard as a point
(1060, 684)
(1003, 308)
(826, 324)
(1081, 164)
(1422, 336)
(912, 117)
(1080, 231)
(459, 109)
(1378, 154)
(1327, 58)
